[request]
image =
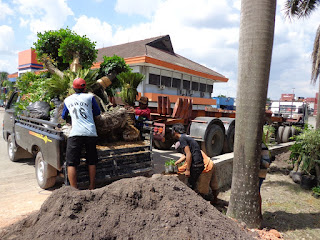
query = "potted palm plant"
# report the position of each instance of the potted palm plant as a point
(305, 155)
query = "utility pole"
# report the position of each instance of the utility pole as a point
(292, 101)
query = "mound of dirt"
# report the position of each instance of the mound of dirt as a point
(160, 207)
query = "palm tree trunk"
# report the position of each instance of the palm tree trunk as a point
(255, 50)
(318, 110)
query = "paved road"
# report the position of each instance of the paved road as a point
(19, 191)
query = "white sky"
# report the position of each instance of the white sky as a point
(204, 31)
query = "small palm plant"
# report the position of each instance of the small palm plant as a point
(63, 87)
(129, 81)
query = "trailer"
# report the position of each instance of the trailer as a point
(212, 128)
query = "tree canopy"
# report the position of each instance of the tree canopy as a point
(62, 46)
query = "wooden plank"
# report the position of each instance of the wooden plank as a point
(164, 105)
(159, 109)
(177, 108)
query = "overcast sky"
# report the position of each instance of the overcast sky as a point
(205, 31)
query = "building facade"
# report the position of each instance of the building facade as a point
(166, 73)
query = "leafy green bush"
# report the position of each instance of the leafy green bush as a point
(113, 65)
(170, 162)
(32, 88)
(316, 190)
(306, 149)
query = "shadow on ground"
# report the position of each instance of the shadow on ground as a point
(282, 221)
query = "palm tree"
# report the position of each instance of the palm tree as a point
(255, 50)
(302, 9)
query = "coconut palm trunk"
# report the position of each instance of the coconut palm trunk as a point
(316, 71)
(255, 50)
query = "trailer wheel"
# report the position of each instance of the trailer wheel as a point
(214, 141)
(279, 134)
(45, 173)
(166, 145)
(15, 153)
(229, 140)
(287, 133)
(294, 131)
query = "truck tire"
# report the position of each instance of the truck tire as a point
(294, 131)
(45, 173)
(213, 142)
(229, 140)
(287, 133)
(166, 145)
(279, 134)
(15, 152)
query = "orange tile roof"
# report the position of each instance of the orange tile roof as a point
(158, 51)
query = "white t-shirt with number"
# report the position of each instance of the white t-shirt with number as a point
(79, 106)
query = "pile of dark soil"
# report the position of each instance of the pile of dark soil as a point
(160, 207)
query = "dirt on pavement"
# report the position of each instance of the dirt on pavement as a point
(160, 207)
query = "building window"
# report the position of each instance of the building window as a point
(166, 81)
(176, 83)
(154, 79)
(186, 84)
(203, 87)
(195, 86)
(209, 88)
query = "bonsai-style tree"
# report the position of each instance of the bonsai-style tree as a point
(58, 49)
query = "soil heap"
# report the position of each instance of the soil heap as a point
(160, 207)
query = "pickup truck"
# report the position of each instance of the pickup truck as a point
(45, 142)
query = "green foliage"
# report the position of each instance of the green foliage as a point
(129, 82)
(113, 66)
(63, 87)
(3, 77)
(32, 88)
(170, 162)
(61, 45)
(268, 133)
(307, 149)
(10, 87)
(316, 190)
(222, 96)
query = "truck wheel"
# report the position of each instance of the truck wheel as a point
(279, 134)
(163, 145)
(287, 133)
(45, 173)
(229, 140)
(214, 140)
(15, 153)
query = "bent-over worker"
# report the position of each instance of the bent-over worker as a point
(82, 108)
(192, 152)
(206, 180)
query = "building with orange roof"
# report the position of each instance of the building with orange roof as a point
(167, 73)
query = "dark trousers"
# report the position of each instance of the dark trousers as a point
(194, 175)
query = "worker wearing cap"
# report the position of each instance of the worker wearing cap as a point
(190, 148)
(143, 110)
(82, 108)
